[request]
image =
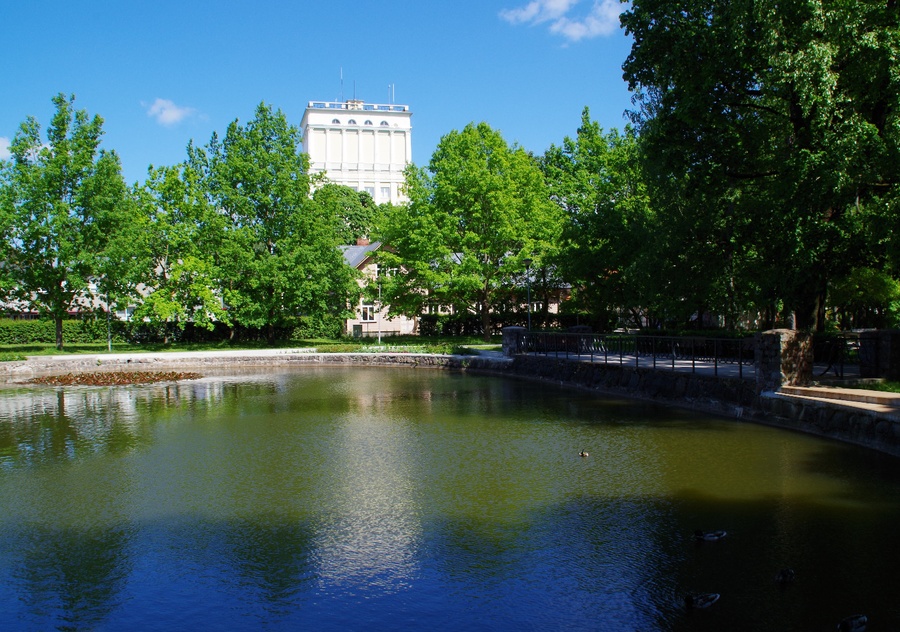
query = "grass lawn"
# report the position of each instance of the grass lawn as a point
(890, 387)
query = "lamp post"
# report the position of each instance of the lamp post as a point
(527, 263)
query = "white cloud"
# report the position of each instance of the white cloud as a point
(603, 18)
(167, 113)
(538, 11)
(4, 148)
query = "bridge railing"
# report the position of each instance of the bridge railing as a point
(638, 350)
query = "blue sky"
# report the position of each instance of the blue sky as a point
(163, 73)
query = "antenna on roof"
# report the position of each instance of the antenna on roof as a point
(342, 84)
(391, 94)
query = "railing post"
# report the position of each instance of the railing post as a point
(716, 357)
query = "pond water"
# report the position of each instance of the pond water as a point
(399, 499)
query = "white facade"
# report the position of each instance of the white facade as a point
(365, 146)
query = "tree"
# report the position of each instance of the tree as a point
(61, 202)
(356, 210)
(473, 218)
(179, 234)
(278, 258)
(773, 129)
(596, 179)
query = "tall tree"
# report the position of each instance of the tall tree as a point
(62, 200)
(474, 216)
(776, 124)
(179, 235)
(356, 210)
(278, 259)
(596, 179)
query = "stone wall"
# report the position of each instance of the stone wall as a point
(54, 365)
(783, 357)
(728, 396)
(831, 419)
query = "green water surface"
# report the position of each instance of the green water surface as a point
(360, 498)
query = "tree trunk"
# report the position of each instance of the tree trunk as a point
(59, 331)
(810, 310)
(486, 321)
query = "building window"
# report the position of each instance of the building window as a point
(351, 122)
(368, 123)
(367, 313)
(385, 193)
(370, 191)
(385, 124)
(335, 122)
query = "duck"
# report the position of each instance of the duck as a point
(853, 623)
(709, 536)
(703, 600)
(583, 453)
(785, 576)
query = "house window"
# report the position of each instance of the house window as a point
(335, 122)
(351, 122)
(370, 191)
(385, 124)
(367, 313)
(385, 193)
(368, 122)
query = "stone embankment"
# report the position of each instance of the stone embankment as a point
(36, 366)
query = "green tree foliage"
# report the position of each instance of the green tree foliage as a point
(178, 237)
(771, 134)
(597, 180)
(278, 258)
(62, 200)
(474, 216)
(866, 298)
(356, 210)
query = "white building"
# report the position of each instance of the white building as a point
(365, 146)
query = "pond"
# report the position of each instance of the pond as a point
(398, 499)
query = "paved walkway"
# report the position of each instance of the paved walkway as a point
(880, 402)
(705, 367)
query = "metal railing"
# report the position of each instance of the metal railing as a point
(841, 354)
(728, 356)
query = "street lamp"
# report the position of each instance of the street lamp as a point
(527, 263)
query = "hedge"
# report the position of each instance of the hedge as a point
(23, 332)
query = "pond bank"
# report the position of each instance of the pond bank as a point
(861, 423)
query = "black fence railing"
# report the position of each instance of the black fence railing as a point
(736, 356)
(840, 354)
